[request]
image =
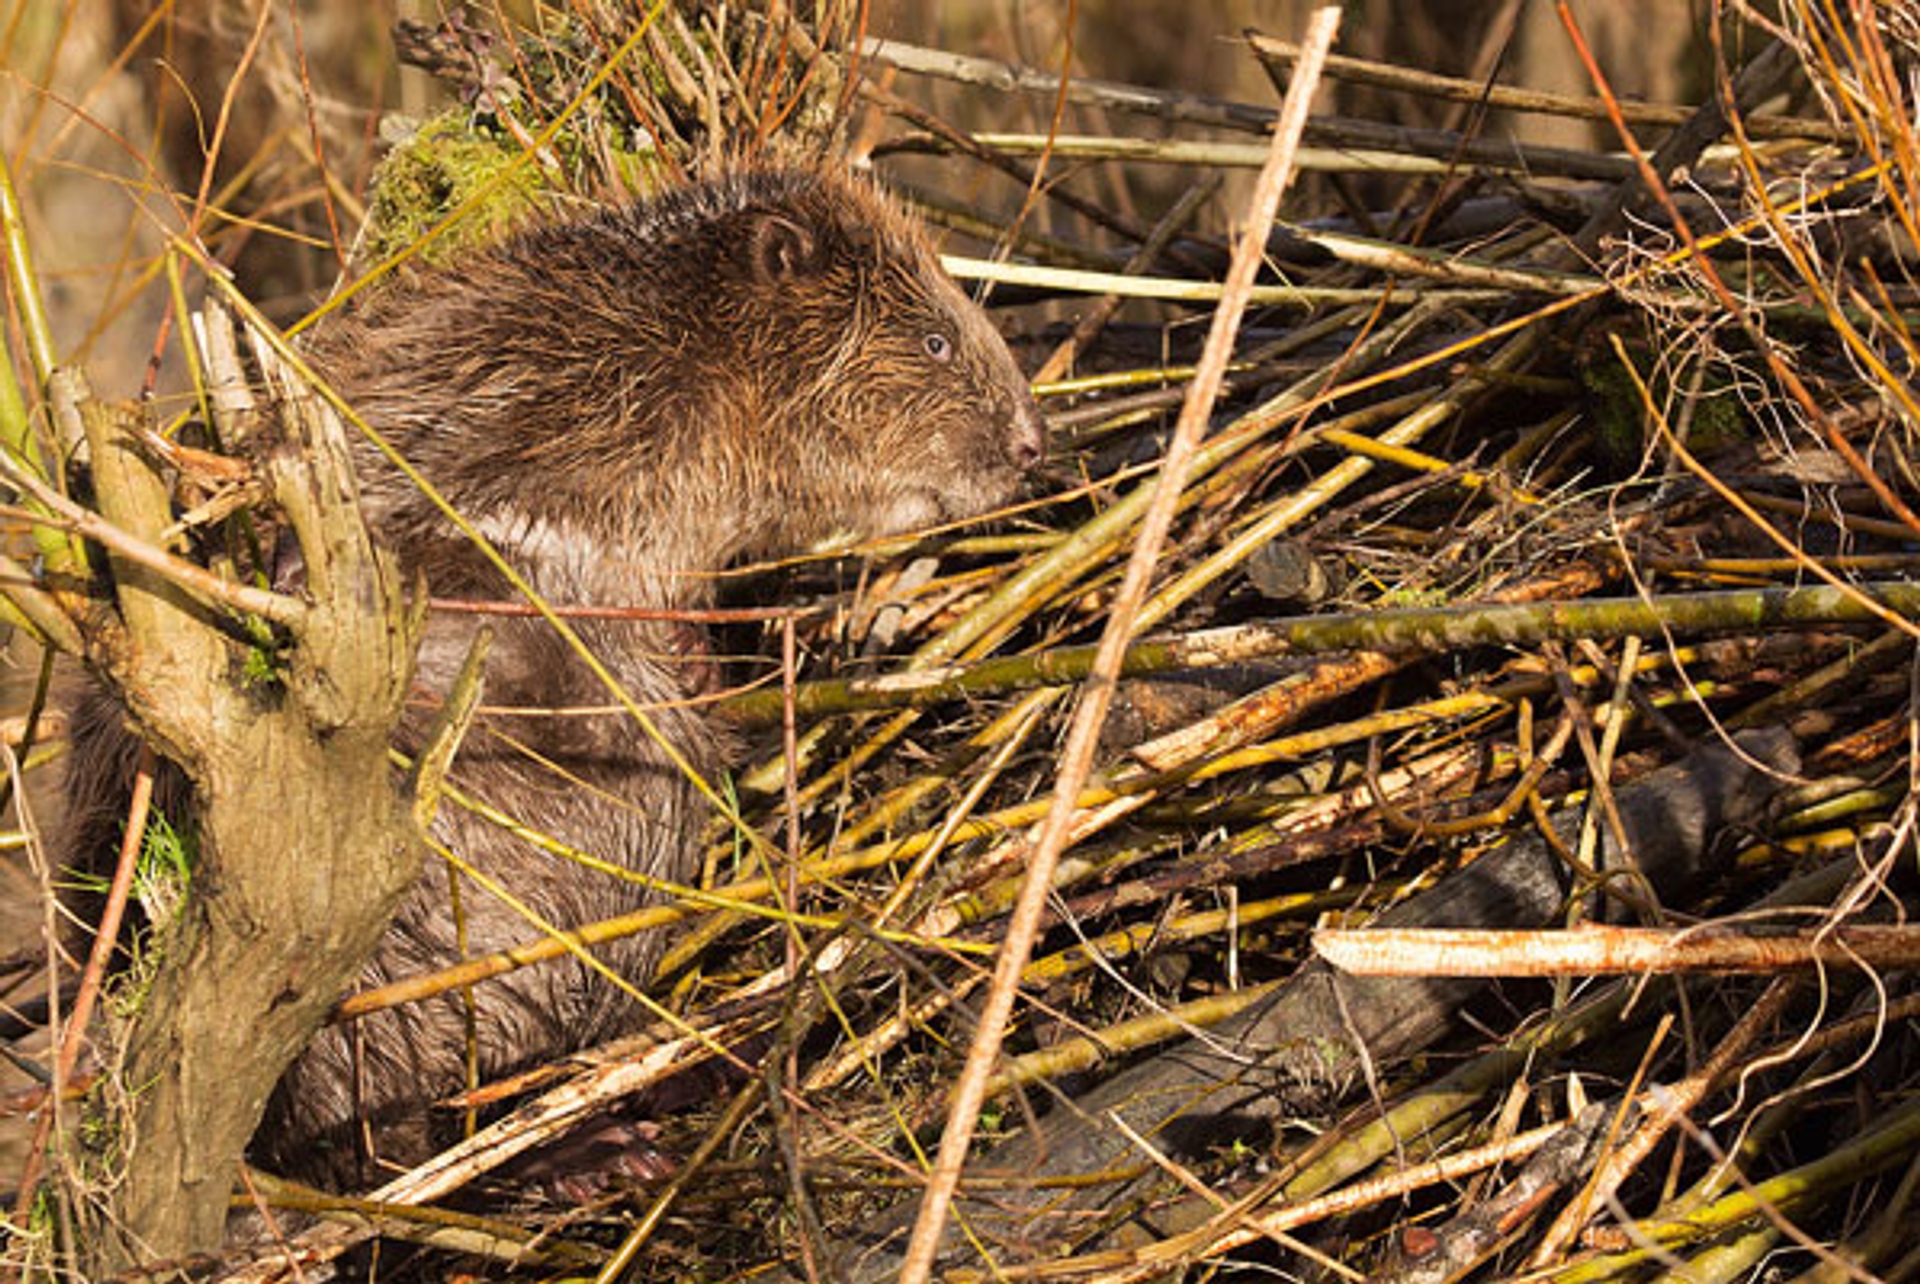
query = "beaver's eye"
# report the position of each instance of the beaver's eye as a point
(939, 347)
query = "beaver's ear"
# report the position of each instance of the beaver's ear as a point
(779, 249)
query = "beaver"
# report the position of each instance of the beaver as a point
(623, 402)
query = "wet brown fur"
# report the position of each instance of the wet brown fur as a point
(623, 403)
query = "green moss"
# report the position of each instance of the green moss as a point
(460, 156)
(447, 162)
(260, 666)
(1621, 430)
(1718, 418)
(1614, 406)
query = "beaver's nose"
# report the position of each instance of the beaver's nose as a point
(1027, 437)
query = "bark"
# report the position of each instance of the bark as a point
(306, 840)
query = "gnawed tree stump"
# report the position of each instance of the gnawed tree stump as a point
(306, 840)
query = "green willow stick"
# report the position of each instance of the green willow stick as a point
(1833, 1173)
(58, 549)
(1414, 629)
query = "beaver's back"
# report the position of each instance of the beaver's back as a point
(759, 361)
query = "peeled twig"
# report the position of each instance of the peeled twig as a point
(1200, 109)
(1459, 89)
(1076, 758)
(1611, 951)
(1164, 288)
